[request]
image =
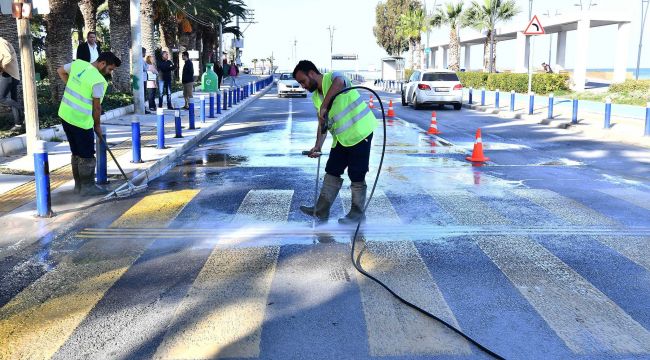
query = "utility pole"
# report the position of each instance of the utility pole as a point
(220, 40)
(136, 57)
(331, 30)
(529, 38)
(493, 28)
(644, 15)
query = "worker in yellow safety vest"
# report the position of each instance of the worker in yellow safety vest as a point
(351, 123)
(80, 109)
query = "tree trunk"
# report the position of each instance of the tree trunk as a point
(454, 50)
(208, 39)
(486, 54)
(412, 54)
(168, 31)
(58, 45)
(120, 27)
(88, 9)
(147, 25)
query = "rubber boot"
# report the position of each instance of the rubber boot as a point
(74, 163)
(358, 190)
(331, 187)
(87, 176)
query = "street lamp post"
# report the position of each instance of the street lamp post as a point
(644, 15)
(331, 30)
(530, 48)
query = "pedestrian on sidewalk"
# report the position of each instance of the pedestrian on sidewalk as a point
(352, 124)
(218, 69)
(187, 79)
(80, 109)
(9, 79)
(233, 71)
(151, 83)
(166, 68)
(90, 49)
(226, 70)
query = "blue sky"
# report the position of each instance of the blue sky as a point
(280, 22)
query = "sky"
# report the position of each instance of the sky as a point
(280, 23)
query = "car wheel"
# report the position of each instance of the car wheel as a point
(416, 105)
(404, 103)
(458, 106)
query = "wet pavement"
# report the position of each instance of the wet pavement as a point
(541, 253)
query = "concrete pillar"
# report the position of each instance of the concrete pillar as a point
(466, 63)
(622, 44)
(560, 51)
(445, 57)
(522, 52)
(440, 53)
(582, 48)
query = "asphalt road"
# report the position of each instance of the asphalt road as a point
(540, 254)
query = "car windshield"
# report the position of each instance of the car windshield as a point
(440, 77)
(286, 76)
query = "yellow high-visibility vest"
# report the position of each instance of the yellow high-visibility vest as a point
(77, 103)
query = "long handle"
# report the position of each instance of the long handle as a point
(112, 156)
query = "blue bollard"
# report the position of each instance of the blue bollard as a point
(211, 111)
(160, 128)
(177, 124)
(551, 99)
(531, 103)
(136, 150)
(574, 115)
(483, 97)
(608, 112)
(218, 103)
(42, 180)
(101, 168)
(202, 109)
(225, 100)
(512, 101)
(229, 98)
(647, 120)
(496, 99)
(191, 116)
(470, 95)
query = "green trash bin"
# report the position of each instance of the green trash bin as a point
(209, 80)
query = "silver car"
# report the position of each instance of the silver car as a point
(433, 87)
(288, 86)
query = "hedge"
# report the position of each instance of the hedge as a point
(542, 83)
(630, 86)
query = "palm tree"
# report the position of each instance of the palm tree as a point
(88, 9)
(452, 16)
(411, 26)
(254, 61)
(147, 27)
(484, 17)
(120, 27)
(58, 44)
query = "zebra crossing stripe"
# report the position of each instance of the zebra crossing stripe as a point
(633, 196)
(380, 209)
(37, 321)
(265, 206)
(397, 330)
(580, 314)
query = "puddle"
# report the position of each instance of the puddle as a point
(214, 160)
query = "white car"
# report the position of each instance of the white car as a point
(288, 86)
(433, 87)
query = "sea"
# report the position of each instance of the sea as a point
(644, 73)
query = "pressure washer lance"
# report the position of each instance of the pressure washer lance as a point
(307, 152)
(130, 189)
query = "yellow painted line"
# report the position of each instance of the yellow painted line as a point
(633, 196)
(222, 314)
(265, 206)
(581, 315)
(37, 321)
(380, 209)
(397, 330)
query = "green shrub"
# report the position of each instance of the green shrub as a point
(629, 86)
(473, 79)
(407, 74)
(542, 83)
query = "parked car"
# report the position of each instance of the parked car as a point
(433, 87)
(288, 86)
(247, 70)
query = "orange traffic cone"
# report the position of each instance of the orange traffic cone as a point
(433, 128)
(391, 112)
(370, 105)
(477, 154)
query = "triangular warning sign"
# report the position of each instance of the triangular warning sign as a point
(534, 27)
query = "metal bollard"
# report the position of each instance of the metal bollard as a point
(219, 103)
(496, 99)
(483, 97)
(136, 150)
(160, 128)
(177, 124)
(225, 100)
(551, 99)
(101, 171)
(202, 113)
(211, 112)
(230, 98)
(42, 180)
(191, 116)
(471, 90)
(512, 101)
(608, 112)
(574, 115)
(647, 120)
(531, 103)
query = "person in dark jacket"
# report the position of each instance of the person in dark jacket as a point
(187, 79)
(218, 69)
(89, 51)
(165, 70)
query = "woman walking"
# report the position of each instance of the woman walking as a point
(152, 82)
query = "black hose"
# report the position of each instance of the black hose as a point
(357, 263)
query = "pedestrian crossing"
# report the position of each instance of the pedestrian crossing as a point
(242, 300)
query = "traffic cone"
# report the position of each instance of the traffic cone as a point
(370, 105)
(477, 153)
(391, 112)
(433, 128)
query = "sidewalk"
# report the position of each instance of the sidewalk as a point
(17, 188)
(627, 122)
